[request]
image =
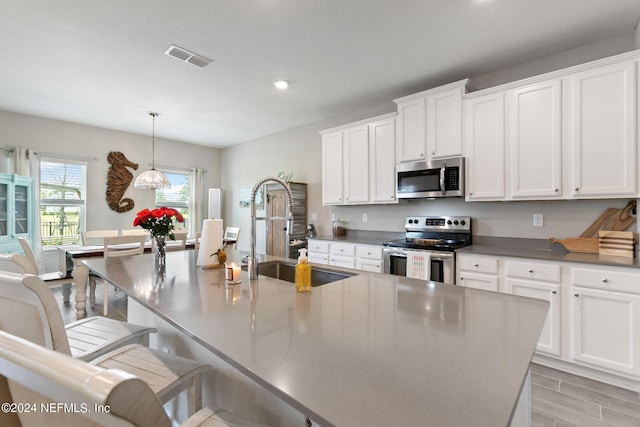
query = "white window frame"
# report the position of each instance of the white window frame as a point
(81, 203)
(188, 205)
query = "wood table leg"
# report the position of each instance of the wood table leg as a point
(80, 276)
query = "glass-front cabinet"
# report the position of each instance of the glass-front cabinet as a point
(16, 211)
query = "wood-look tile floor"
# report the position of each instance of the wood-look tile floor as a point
(558, 399)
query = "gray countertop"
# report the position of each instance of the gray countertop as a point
(540, 249)
(373, 349)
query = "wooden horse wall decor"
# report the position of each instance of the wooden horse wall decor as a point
(118, 180)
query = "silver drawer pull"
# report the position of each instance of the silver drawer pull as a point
(554, 292)
(531, 270)
(605, 280)
(476, 265)
(576, 295)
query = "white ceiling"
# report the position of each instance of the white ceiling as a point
(102, 63)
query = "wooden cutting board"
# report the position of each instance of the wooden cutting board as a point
(612, 219)
(578, 244)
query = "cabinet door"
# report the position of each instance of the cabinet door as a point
(535, 140)
(332, 181)
(22, 218)
(344, 262)
(484, 142)
(605, 330)
(370, 265)
(444, 123)
(411, 130)
(356, 164)
(382, 162)
(478, 281)
(604, 131)
(550, 337)
(315, 258)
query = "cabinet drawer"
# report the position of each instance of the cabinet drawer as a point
(369, 252)
(481, 264)
(533, 270)
(606, 279)
(342, 249)
(318, 246)
(369, 265)
(318, 258)
(344, 262)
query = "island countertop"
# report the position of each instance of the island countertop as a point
(373, 349)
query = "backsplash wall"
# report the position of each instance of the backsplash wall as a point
(500, 219)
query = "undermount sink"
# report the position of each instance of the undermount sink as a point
(287, 271)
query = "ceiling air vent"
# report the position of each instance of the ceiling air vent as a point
(186, 56)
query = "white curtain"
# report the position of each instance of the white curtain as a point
(21, 162)
(34, 172)
(195, 202)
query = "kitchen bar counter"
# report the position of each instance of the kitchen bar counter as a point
(373, 349)
(540, 249)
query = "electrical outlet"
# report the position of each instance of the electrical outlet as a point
(314, 216)
(364, 217)
(538, 220)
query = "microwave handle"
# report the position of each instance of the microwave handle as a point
(442, 173)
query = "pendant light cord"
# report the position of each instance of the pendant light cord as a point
(153, 141)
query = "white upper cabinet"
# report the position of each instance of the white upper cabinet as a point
(356, 164)
(411, 141)
(570, 134)
(429, 123)
(444, 123)
(484, 136)
(332, 182)
(535, 140)
(382, 161)
(603, 131)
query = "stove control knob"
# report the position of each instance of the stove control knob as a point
(455, 222)
(410, 221)
(463, 222)
(449, 222)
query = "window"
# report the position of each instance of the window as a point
(178, 195)
(62, 201)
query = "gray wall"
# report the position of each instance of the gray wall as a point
(69, 139)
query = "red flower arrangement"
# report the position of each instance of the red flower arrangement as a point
(159, 221)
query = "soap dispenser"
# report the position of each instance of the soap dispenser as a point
(303, 272)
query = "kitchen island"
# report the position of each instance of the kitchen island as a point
(372, 349)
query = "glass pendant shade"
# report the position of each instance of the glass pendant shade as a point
(152, 179)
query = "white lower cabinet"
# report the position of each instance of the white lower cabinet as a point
(478, 271)
(549, 342)
(592, 322)
(605, 305)
(346, 255)
(369, 258)
(318, 251)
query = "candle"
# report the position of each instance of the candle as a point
(232, 273)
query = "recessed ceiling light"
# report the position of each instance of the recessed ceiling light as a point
(281, 84)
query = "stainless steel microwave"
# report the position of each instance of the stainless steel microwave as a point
(431, 179)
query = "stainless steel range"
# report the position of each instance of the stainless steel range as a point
(438, 237)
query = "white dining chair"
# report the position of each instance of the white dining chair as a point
(180, 242)
(135, 232)
(95, 237)
(231, 235)
(34, 374)
(115, 246)
(28, 310)
(52, 279)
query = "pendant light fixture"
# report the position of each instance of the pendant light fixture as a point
(152, 179)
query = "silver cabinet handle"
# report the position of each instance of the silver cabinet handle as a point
(554, 292)
(556, 190)
(577, 189)
(531, 270)
(476, 265)
(605, 280)
(576, 295)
